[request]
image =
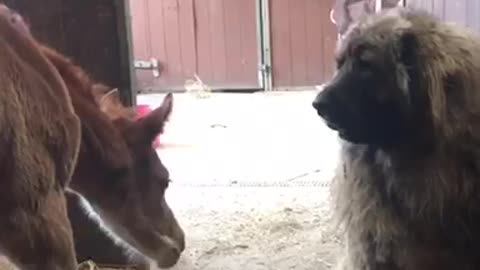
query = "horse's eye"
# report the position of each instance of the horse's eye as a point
(165, 183)
(119, 172)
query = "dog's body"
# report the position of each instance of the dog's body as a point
(406, 103)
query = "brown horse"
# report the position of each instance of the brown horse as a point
(118, 170)
(92, 241)
(39, 142)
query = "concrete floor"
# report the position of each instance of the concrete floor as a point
(251, 174)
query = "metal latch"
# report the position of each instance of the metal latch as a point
(266, 68)
(150, 64)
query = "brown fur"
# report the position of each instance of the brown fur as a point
(408, 201)
(118, 170)
(40, 137)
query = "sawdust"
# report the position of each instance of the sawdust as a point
(256, 228)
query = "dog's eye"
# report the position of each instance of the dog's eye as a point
(364, 64)
(340, 62)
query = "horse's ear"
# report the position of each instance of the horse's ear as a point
(108, 99)
(154, 122)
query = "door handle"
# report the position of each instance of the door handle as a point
(151, 64)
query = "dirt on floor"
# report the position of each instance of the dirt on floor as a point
(256, 228)
(229, 156)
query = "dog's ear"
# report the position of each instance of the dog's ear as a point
(408, 48)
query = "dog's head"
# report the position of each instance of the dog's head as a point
(376, 95)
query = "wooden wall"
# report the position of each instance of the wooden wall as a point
(220, 40)
(93, 33)
(216, 39)
(465, 12)
(303, 42)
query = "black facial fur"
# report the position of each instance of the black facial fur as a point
(372, 98)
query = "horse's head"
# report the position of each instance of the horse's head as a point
(135, 205)
(118, 170)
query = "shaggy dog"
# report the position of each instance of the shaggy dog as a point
(405, 101)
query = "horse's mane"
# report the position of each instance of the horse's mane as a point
(80, 83)
(100, 133)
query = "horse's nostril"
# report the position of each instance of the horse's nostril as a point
(170, 258)
(173, 252)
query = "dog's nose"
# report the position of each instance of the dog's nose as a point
(320, 104)
(316, 104)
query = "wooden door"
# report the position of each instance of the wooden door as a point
(303, 42)
(216, 39)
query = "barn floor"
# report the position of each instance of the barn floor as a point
(251, 174)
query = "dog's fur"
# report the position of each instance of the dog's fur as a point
(405, 101)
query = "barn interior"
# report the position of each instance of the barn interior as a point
(249, 159)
